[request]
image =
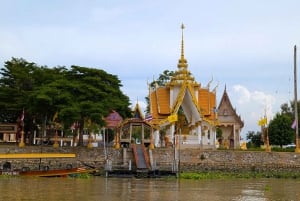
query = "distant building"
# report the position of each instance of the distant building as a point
(8, 132)
(229, 122)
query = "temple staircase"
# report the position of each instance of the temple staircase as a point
(141, 160)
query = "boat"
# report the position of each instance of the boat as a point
(45, 171)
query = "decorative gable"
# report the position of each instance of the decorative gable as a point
(226, 113)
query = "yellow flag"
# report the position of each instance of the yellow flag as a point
(263, 121)
(259, 122)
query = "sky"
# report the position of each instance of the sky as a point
(246, 46)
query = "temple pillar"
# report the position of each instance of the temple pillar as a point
(124, 156)
(215, 137)
(234, 137)
(199, 132)
(156, 138)
(172, 131)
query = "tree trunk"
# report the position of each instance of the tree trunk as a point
(80, 141)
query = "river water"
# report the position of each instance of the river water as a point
(163, 189)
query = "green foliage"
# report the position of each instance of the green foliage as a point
(254, 139)
(280, 131)
(219, 133)
(238, 175)
(163, 78)
(279, 149)
(77, 94)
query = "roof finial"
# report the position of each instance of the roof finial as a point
(182, 61)
(182, 43)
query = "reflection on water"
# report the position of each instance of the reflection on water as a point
(116, 189)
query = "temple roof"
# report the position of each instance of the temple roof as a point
(182, 91)
(113, 119)
(137, 113)
(226, 110)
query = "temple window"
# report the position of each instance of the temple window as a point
(225, 112)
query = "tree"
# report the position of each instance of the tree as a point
(79, 94)
(95, 94)
(163, 78)
(254, 139)
(280, 131)
(16, 84)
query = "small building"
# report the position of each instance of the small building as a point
(135, 130)
(8, 132)
(229, 122)
(113, 121)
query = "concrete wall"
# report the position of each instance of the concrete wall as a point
(192, 160)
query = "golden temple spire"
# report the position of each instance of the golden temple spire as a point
(182, 61)
(182, 73)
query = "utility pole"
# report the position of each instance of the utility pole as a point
(297, 150)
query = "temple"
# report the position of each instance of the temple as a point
(182, 109)
(184, 112)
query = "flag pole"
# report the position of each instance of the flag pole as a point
(297, 150)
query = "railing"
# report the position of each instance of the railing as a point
(53, 139)
(136, 158)
(146, 156)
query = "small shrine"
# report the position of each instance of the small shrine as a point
(136, 130)
(229, 123)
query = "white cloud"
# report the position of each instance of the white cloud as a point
(259, 98)
(252, 105)
(244, 94)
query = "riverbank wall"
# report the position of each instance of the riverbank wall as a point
(186, 160)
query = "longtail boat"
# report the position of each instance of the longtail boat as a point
(45, 171)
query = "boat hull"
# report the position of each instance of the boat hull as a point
(48, 173)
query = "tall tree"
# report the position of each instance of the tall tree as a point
(16, 84)
(95, 94)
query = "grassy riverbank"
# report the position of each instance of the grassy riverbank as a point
(242, 175)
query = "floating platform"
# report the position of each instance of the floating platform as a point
(139, 174)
